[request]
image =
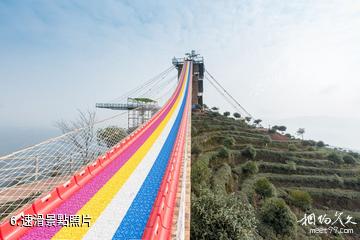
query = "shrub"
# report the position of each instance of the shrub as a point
(223, 153)
(214, 114)
(320, 144)
(257, 121)
(301, 199)
(311, 143)
(236, 115)
(354, 154)
(336, 158)
(195, 149)
(249, 152)
(194, 131)
(200, 174)
(264, 188)
(272, 131)
(339, 180)
(310, 148)
(292, 165)
(349, 159)
(229, 141)
(110, 135)
(215, 216)
(292, 147)
(288, 135)
(267, 139)
(276, 214)
(249, 168)
(281, 128)
(222, 180)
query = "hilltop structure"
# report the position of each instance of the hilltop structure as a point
(197, 76)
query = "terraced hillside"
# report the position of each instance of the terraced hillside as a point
(245, 185)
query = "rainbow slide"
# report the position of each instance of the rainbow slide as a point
(129, 193)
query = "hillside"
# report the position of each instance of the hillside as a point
(248, 183)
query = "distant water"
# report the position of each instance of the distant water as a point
(16, 138)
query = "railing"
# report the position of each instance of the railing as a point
(29, 173)
(126, 106)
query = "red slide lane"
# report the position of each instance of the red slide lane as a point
(161, 217)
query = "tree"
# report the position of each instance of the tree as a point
(110, 135)
(215, 109)
(217, 216)
(223, 152)
(226, 114)
(257, 121)
(354, 154)
(282, 128)
(349, 159)
(276, 214)
(300, 132)
(320, 144)
(80, 134)
(264, 188)
(195, 149)
(248, 119)
(229, 142)
(249, 152)
(275, 128)
(249, 168)
(236, 115)
(336, 158)
(311, 143)
(292, 147)
(289, 135)
(301, 199)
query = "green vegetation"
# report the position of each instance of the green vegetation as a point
(300, 199)
(249, 168)
(236, 115)
(230, 141)
(249, 152)
(292, 147)
(336, 158)
(110, 136)
(195, 149)
(320, 144)
(215, 216)
(226, 114)
(349, 159)
(246, 184)
(264, 188)
(277, 215)
(144, 100)
(223, 153)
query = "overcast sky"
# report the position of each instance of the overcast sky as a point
(295, 63)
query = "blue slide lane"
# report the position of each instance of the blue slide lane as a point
(134, 222)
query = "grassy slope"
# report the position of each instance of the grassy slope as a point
(333, 187)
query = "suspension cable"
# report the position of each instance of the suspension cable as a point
(229, 95)
(144, 85)
(222, 93)
(157, 85)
